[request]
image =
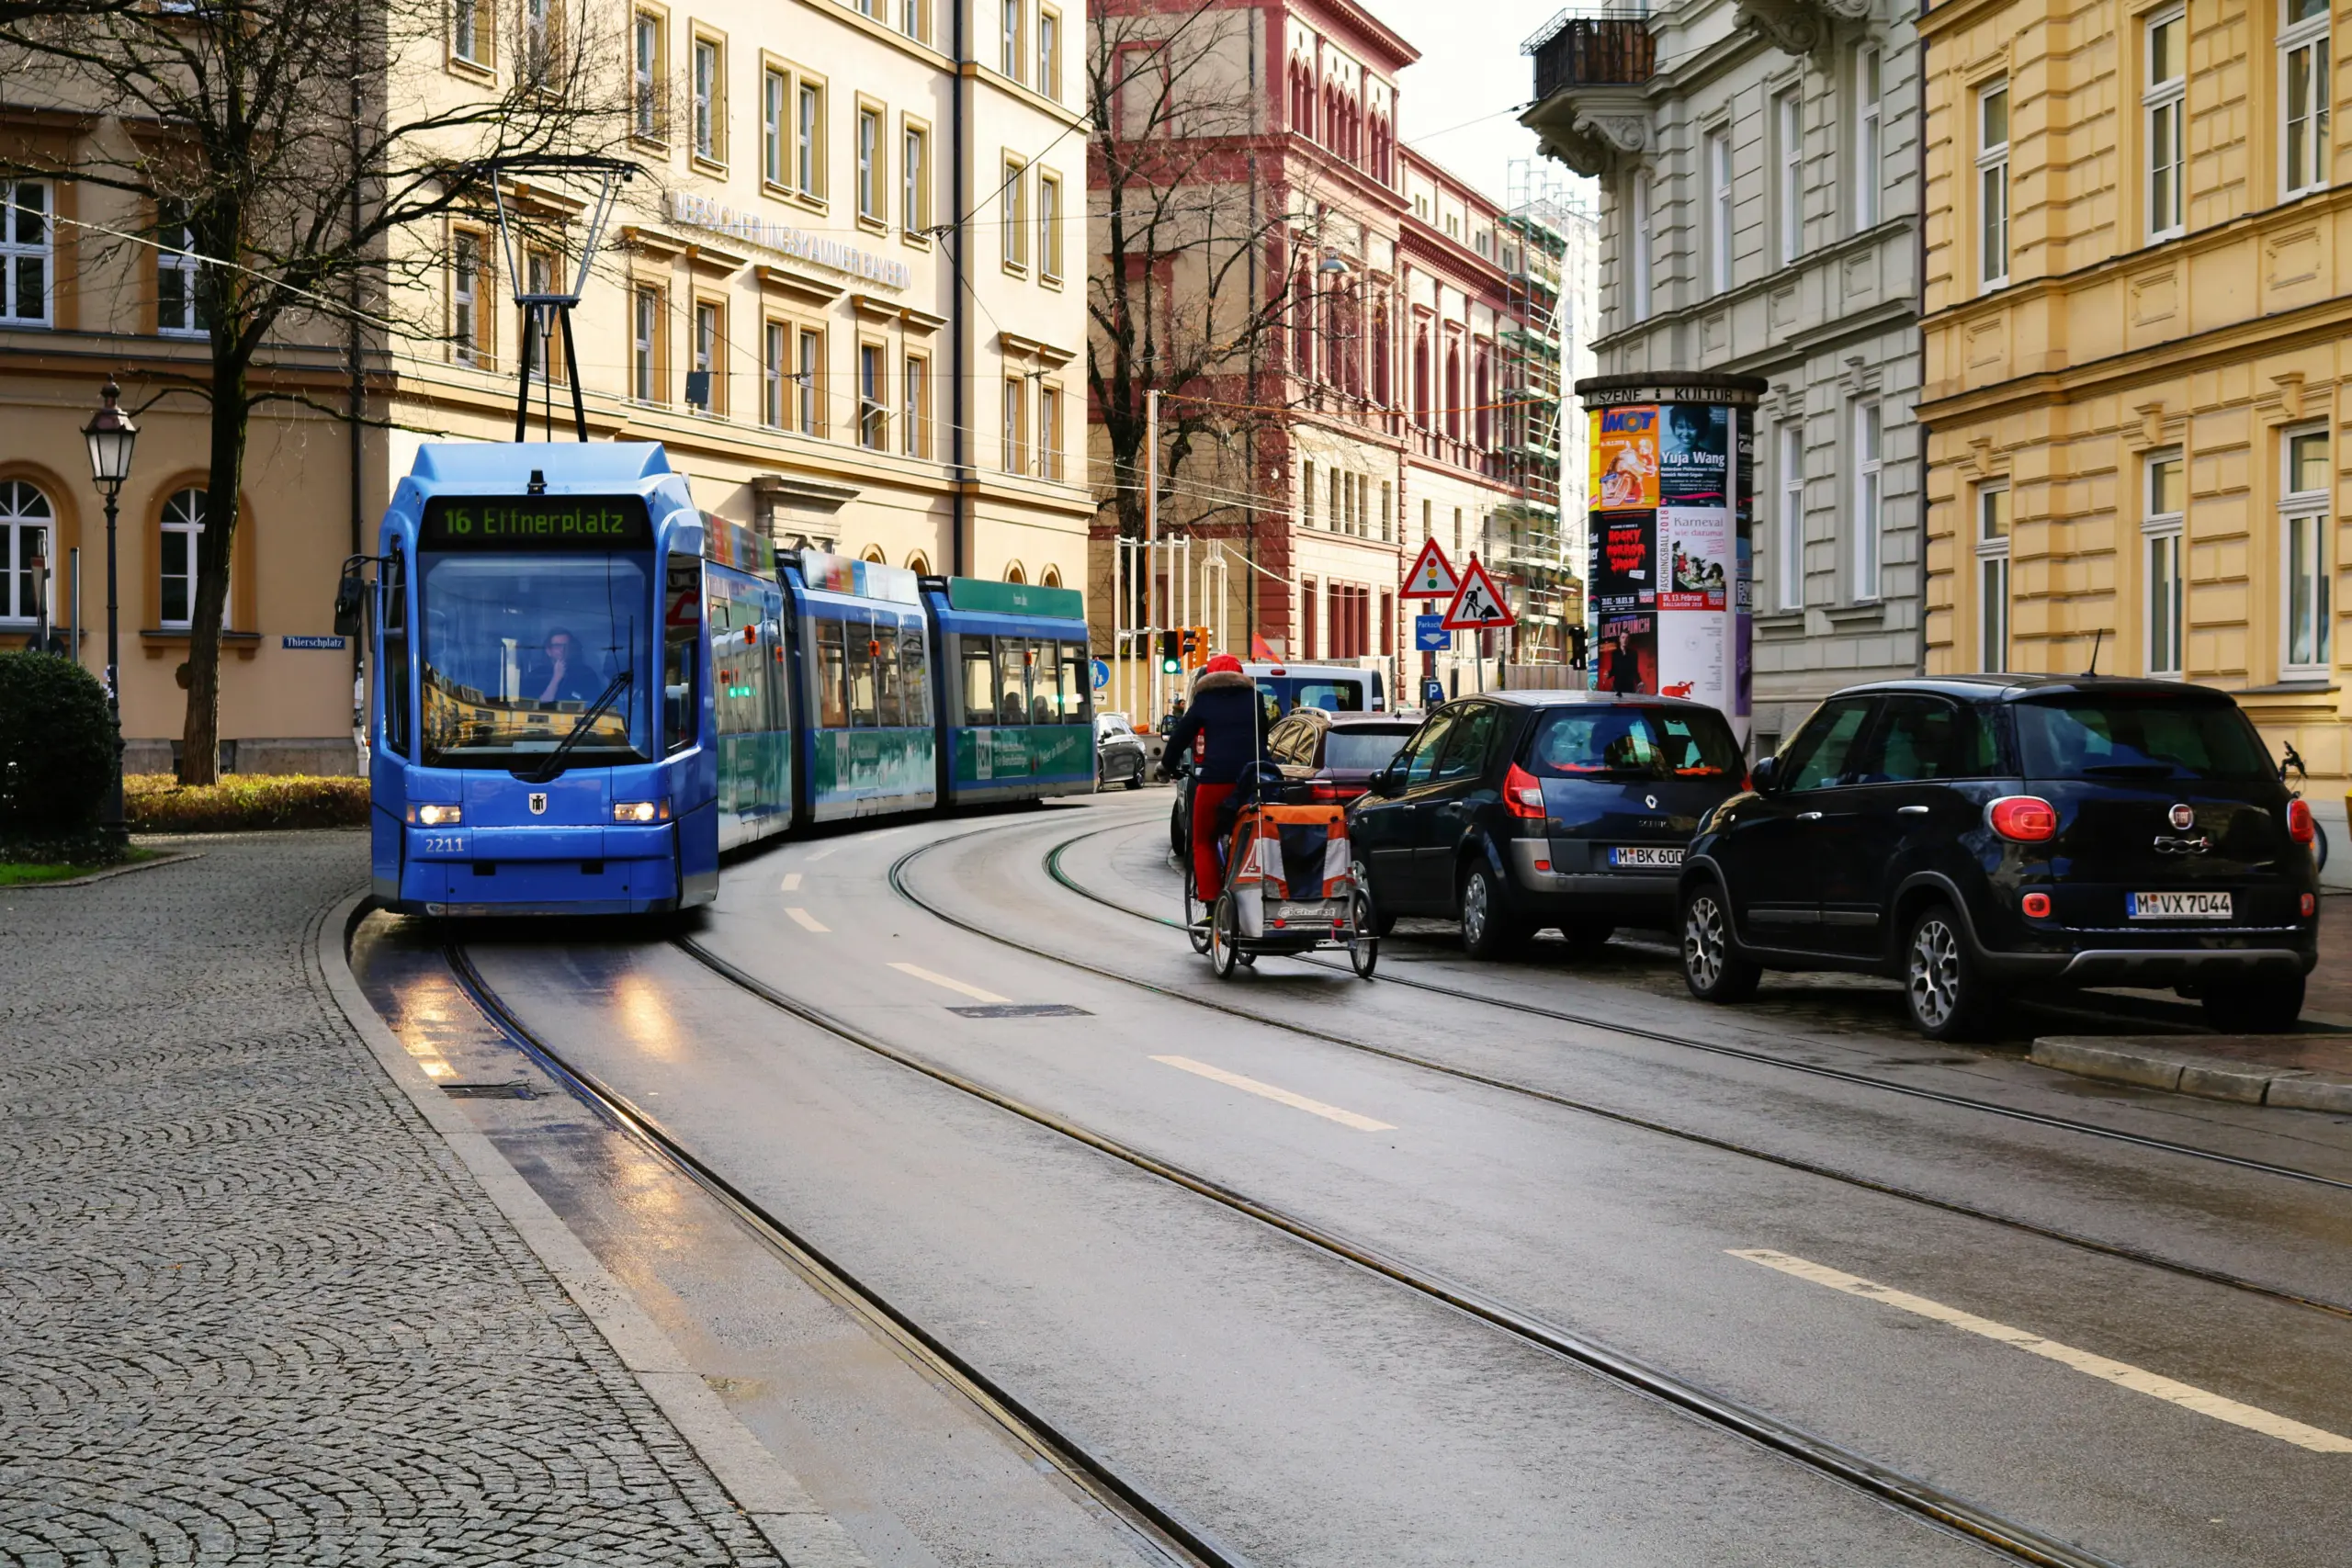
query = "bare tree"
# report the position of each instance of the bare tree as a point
(297, 149)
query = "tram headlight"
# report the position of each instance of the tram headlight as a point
(641, 811)
(436, 816)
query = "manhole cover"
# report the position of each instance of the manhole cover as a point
(1021, 1010)
(518, 1089)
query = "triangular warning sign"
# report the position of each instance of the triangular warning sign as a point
(1476, 604)
(1433, 575)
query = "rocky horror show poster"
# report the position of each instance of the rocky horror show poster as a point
(1624, 562)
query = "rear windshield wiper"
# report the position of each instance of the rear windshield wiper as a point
(554, 764)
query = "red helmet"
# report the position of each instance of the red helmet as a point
(1221, 664)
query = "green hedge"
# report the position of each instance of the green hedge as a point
(158, 803)
(56, 749)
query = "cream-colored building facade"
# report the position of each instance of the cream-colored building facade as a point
(2139, 281)
(846, 291)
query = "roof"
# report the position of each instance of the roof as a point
(1553, 697)
(2012, 686)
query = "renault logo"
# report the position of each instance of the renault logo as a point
(1650, 801)
(2184, 816)
(539, 803)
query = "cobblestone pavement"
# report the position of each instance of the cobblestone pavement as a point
(251, 1308)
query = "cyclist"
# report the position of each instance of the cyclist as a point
(1221, 724)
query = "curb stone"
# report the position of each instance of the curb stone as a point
(2173, 1066)
(773, 1498)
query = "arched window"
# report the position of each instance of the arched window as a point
(183, 526)
(1014, 574)
(1422, 378)
(1380, 356)
(918, 563)
(1051, 577)
(1453, 391)
(27, 524)
(1485, 421)
(874, 554)
(1302, 326)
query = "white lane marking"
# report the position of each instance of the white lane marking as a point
(973, 992)
(2122, 1374)
(820, 854)
(807, 922)
(1281, 1096)
(791, 882)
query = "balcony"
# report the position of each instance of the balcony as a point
(1592, 65)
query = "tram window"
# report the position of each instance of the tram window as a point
(833, 677)
(1012, 681)
(740, 668)
(860, 637)
(392, 667)
(1044, 683)
(1076, 667)
(915, 693)
(979, 681)
(681, 654)
(886, 711)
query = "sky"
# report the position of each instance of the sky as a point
(1470, 71)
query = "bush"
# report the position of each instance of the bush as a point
(158, 803)
(57, 749)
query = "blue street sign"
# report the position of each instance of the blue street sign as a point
(1432, 691)
(1429, 635)
(1101, 673)
(327, 642)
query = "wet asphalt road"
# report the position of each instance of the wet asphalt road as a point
(1308, 1412)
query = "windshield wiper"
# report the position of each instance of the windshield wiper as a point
(554, 764)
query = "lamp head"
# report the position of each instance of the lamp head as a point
(111, 437)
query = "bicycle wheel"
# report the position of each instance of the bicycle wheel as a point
(1223, 927)
(1197, 915)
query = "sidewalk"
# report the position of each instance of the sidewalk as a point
(254, 1309)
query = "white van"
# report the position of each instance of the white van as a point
(1336, 688)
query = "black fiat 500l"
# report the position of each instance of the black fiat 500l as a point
(1978, 835)
(1518, 810)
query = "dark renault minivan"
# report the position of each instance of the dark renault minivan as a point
(1975, 835)
(1516, 810)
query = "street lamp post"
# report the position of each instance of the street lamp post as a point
(111, 436)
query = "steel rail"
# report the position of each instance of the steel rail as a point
(1841, 1074)
(1157, 1525)
(1890, 1485)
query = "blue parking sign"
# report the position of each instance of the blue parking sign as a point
(1429, 635)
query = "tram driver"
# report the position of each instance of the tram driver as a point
(561, 673)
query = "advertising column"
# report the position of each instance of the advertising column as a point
(1666, 602)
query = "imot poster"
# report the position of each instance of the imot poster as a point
(1625, 458)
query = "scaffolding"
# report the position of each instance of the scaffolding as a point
(1540, 577)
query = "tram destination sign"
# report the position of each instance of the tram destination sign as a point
(536, 522)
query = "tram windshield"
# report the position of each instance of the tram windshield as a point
(520, 648)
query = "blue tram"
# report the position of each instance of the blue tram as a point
(586, 689)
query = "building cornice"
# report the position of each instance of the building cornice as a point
(1900, 227)
(1371, 32)
(1937, 20)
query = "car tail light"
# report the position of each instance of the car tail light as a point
(2310, 906)
(1331, 790)
(1523, 797)
(2300, 826)
(2036, 906)
(2024, 818)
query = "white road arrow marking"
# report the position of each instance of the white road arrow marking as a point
(807, 922)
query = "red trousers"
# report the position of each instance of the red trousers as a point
(1208, 879)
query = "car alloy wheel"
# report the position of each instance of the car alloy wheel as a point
(1935, 974)
(1712, 970)
(1476, 910)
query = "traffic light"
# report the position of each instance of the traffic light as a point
(1171, 653)
(1195, 644)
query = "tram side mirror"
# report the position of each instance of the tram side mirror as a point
(1764, 775)
(350, 603)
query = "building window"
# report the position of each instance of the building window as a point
(2303, 527)
(710, 108)
(914, 174)
(773, 92)
(914, 389)
(474, 29)
(2163, 522)
(1993, 186)
(2164, 108)
(1309, 633)
(1049, 227)
(179, 309)
(1868, 501)
(26, 518)
(773, 335)
(1306, 494)
(1011, 56)
(1387, 509)
(1992, 577)
(183, 526)
(2305, 92)
(870, 174)
(810, 145)
(1049, 433)
(711, 340)
(1788, 119)
(811, 377)
(645, 340)
(1640, 225)
(1016, 456)
(1338, 516)
(872, 410)
(646, 69)
(1719, 213)
(1016, 214)
(1049, 52)
(914, 20)
(1788, 572)
(469, 335)
(25, 262)
(538, 40)
(1869, 136)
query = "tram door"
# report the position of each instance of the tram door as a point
(750, 676)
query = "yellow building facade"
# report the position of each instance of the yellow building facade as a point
(2139, 283)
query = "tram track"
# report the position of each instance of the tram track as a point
(2117, 1250)
(1163, 1529)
